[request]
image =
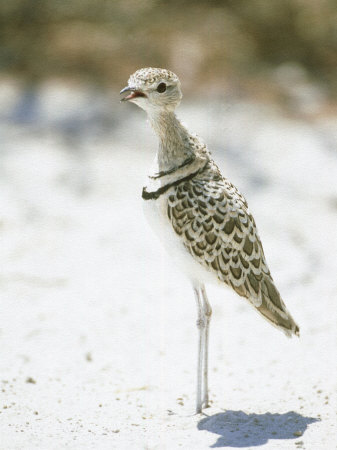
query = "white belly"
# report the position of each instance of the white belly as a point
(156, 214)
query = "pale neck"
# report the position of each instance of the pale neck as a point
(174, 146)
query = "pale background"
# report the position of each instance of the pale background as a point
(97, 328)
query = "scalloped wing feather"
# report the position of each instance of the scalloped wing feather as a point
(213, 220)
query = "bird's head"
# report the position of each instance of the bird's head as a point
(153, 89)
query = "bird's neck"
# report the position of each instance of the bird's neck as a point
(174, 143)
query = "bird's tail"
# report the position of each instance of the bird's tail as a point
(274, 310)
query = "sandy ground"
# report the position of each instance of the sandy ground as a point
(97, 328)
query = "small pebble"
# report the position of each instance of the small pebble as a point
(297, 433)
(30, 380)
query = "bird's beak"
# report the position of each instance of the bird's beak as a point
(134, 93)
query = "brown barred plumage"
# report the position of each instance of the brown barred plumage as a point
(201, 217)
(212, 218)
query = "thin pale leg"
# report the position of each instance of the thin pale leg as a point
(201, 348)
(207, 311)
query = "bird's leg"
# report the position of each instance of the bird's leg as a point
(201, 346)
(207, 311)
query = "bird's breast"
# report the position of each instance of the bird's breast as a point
(155, 211)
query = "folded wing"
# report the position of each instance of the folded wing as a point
(212, 218)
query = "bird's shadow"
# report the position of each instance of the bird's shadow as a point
(239, 429)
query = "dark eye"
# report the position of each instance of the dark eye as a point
(161, 88)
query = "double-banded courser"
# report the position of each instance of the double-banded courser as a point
(200, 216)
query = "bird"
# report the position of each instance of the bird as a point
(201, 218)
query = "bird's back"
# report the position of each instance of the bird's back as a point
(212, 220)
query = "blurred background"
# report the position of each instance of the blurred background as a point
(81, 272)
(282, 51)
(260, 46)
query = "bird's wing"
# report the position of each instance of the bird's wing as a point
(213, 220)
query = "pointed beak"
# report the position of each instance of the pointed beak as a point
(133, 93)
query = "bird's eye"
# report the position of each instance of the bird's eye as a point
(161, 88)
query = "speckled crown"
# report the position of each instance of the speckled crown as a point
(151, 75)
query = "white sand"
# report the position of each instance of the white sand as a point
(97, 328)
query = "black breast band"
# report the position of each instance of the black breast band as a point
(174, 169)
(156, 194)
